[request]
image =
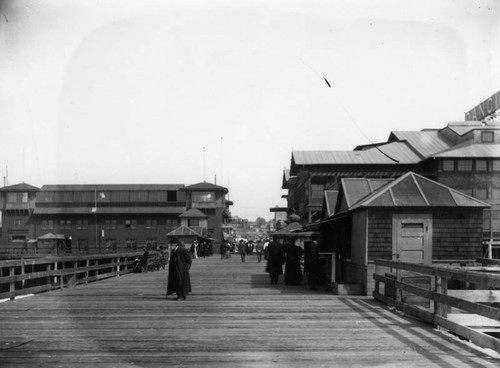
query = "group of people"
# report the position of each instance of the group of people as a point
(278, 252)
(289, 252)
(249, 247)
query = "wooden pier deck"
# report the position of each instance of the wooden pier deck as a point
(233, 318)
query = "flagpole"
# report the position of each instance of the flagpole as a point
(98, 246)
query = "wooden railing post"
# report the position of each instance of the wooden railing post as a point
(87, 265)
(22, 272)
(61, 278)
(12, 286)
(399, 292)
(441, 288)
(117, 266)
(377, 283)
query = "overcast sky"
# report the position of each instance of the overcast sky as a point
(143, 91)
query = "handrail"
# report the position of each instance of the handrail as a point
(29, 276)
(486, 281)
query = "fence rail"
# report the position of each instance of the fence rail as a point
(472, 289)
(31, 276)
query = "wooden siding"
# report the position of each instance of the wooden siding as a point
(456, 233)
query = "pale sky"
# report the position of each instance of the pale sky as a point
(144, 91)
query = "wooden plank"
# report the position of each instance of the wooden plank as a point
(233, 318)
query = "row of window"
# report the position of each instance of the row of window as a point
(482, 193)
(480, 165)
(107, 196)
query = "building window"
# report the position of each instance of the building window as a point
(151, 243)
(193, 222)
(12, 197)
(317, 190)
(130, 224)
(171, 196)
(448, 165)
(496, 165)
(18, 223)
(481, 193)
(464, 165)
(110, 224)
(481, 165)
(486, 137)
(495, 193)
(151, 224)
(171, 222)
(18, 238)
(203, 197)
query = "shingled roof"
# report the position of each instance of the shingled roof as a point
(410, 190)
(22, 187)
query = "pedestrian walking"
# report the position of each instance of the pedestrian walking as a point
(259, 249)
(275, 260)
(179, 281)
(242, 250)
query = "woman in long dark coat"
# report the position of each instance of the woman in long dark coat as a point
(275, 261)
(179, 281)
(293, 272)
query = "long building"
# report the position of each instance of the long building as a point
(107, 218)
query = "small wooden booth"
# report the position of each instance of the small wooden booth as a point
(410, 219)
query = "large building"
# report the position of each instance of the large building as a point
(463, 155)
(108, 218)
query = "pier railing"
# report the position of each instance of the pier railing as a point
(472, 291)
(31, 276)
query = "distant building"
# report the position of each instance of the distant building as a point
(108, 218)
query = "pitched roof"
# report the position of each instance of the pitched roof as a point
(205, 186)
(472, 150)
(425, 143)
(379, 154)
(22, 187)
(410, 190)
(193, 213)
(329, 201)
(183, 231)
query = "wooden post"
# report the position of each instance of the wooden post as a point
(61, 278)
(117, 260)
(442, 288)
(55, 277)
(377, 283)
(399, 292)
(22, 272)
(12, 286)
(87, 265)
(47, 268)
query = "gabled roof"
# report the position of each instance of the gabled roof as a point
(205, 186)
(193, 213)
(410, 190)
(472, 150)
(183, 231)
(22, 187)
